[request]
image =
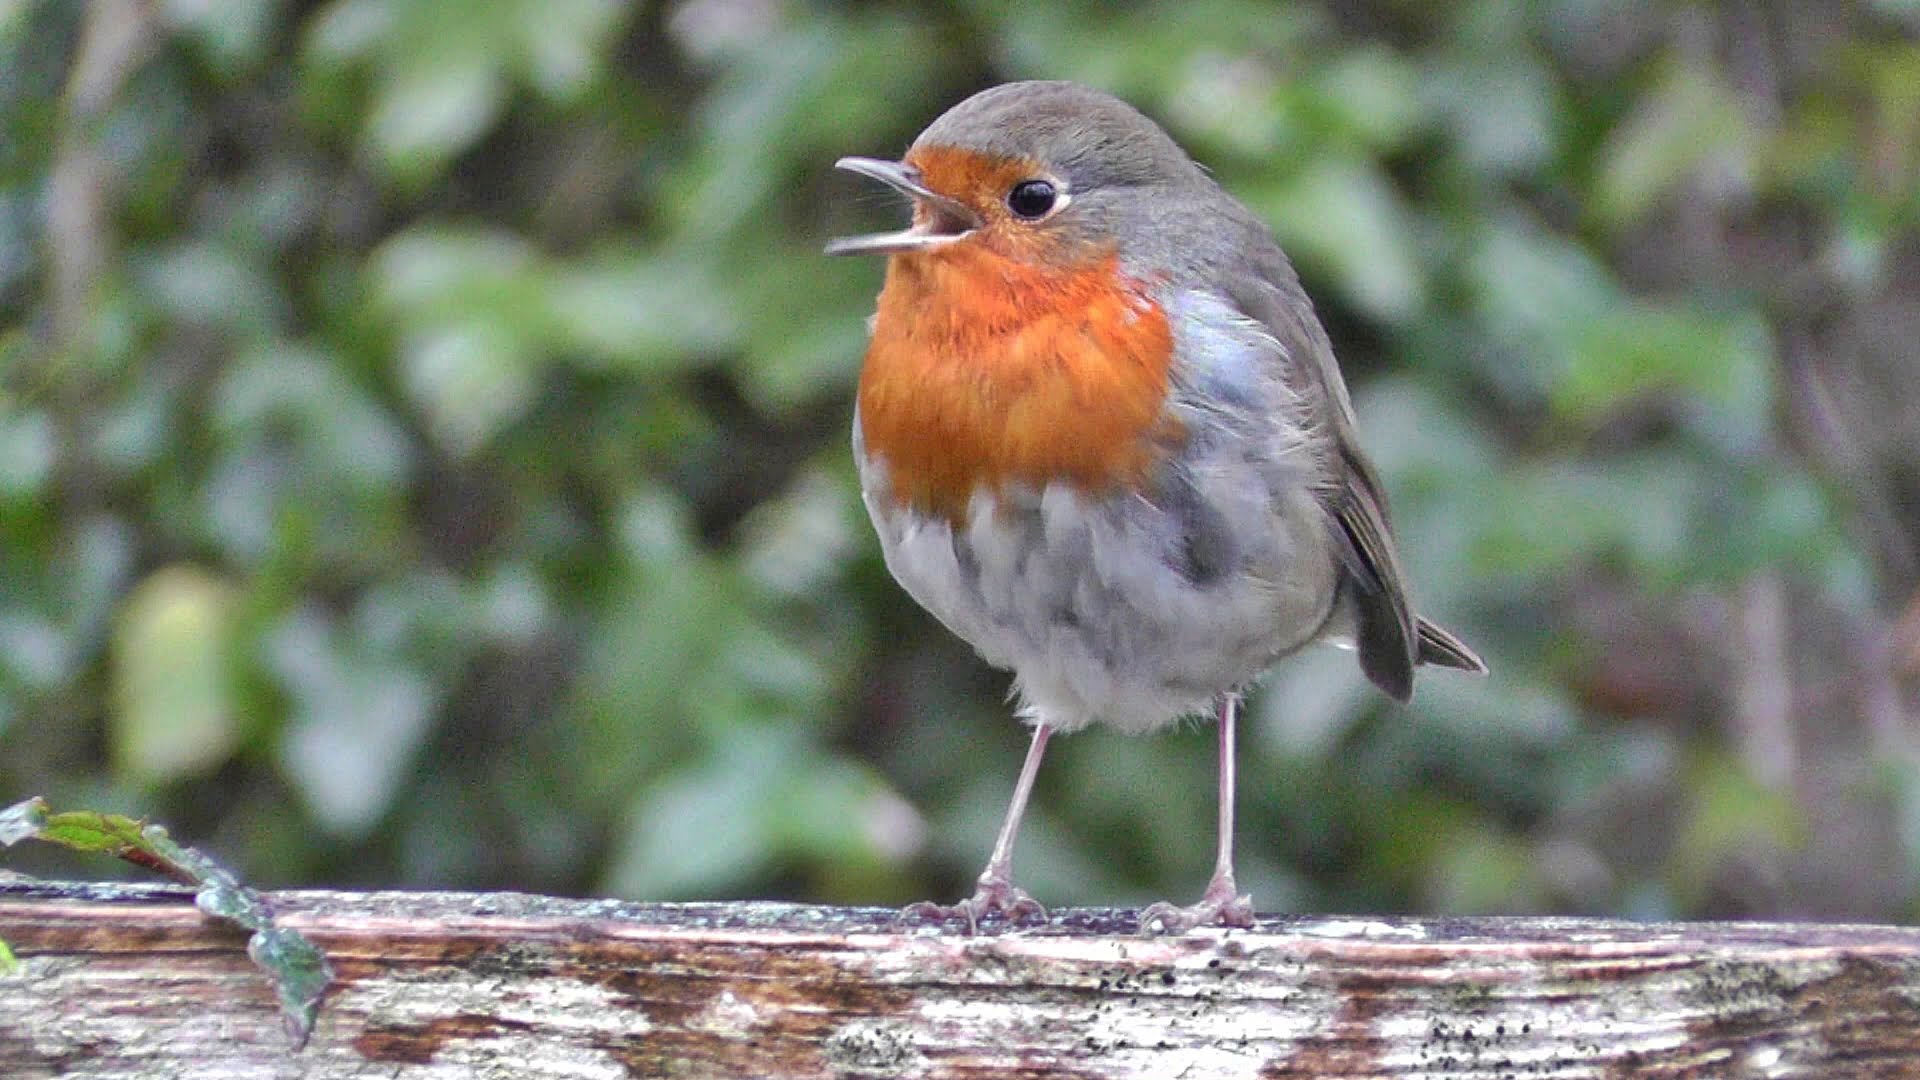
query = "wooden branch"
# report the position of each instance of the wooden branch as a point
(133, 982)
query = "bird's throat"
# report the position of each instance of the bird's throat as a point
(986, 371)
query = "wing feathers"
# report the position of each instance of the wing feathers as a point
(1441, 649)
(1383, 620)
(1392, 641)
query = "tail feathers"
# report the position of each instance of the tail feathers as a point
(1442, 649)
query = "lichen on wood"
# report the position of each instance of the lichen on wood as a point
(134, 982)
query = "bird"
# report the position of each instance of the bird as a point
(1103, 439)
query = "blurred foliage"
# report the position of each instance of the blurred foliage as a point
(423, 451)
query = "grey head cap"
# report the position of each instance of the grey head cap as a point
(1093, 139)
(1131, 184)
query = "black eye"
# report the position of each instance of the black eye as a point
(1031, 199)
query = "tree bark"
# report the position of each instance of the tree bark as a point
(133, 982)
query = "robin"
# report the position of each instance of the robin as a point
(1103, 439)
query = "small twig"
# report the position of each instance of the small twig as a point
(1763, 686)
(116, 37)
(300, 972)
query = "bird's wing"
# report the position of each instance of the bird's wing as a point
(1388, 634)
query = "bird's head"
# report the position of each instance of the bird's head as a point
(1038, 172)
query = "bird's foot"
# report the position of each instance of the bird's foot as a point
(995, 895)
(1222, 905)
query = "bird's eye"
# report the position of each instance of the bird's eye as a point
(1031, 199)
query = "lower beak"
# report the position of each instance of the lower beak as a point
(937, 219)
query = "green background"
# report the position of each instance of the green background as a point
(423, 448)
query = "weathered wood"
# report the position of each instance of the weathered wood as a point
(133, 982)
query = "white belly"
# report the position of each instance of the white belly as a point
(1116, 610)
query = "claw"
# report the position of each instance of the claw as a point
(1219, 907)
(993, 896)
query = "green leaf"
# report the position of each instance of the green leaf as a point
(27, 445)
(234, 33)
(424, 112)
(1417, 435)
(1500, 105)
(173, 688)
(291, 389)
(1310, 704)
(651, 654)
(202, 283)
(1731, 812)
(1535, 286)
(1105, 46)
(1686, 121)
(631, 311)
(766, 797)
(1724, 360)
(796, 545)
(350, 29)
(798, 97)
(471, 380)
(482, 313)
(9, 964)
(359, 716)
(299, 971)
(806, 336)
(1373, 96)
(1482, 870)
(1341, 215)
(444, 70)
(436, 274)
(563, 43)
(697, 832)
(34, 650)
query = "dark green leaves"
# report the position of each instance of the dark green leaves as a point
(424, 459)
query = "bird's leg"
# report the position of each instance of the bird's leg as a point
(1222, 903)
(995, 890)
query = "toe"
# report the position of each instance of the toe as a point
(992, 898)
(1238, 913)
(1166, 919)
(1025, 908)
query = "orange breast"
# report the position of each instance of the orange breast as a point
(985, 371)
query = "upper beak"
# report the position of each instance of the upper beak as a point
(937, 219)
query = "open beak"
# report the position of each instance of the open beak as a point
(937, 219)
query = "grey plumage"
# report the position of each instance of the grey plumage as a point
(1119, 598)
(1273, 378)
